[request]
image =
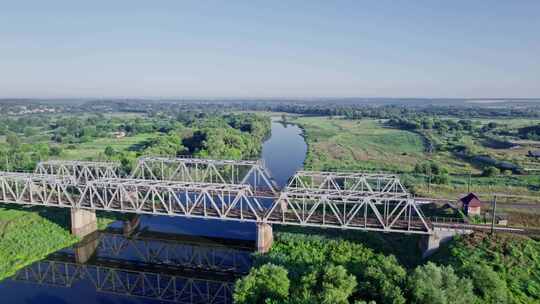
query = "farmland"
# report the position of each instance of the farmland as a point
(342, 144)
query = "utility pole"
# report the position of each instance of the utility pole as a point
(493, 214)
(429, 180)
(469, 183)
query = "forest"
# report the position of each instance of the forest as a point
(323, 268)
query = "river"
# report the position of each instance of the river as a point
(167, 260)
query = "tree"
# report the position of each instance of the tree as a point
(266, 284)
(431, 284)
(337, 285)
(381, 278)
(491, 171)
(487, 283)
(29, 131)
(55, 151)
(13, 140)
(109, 151)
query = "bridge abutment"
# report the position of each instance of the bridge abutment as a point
(429, 244)
(83, 222)
(265, 237)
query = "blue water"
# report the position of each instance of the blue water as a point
(283, 153)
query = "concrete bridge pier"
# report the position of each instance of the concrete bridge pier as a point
(429, 244)
(83, 222)
(265, 237)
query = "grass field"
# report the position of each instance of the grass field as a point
(30, 234)
(344, 144)
(93, 150)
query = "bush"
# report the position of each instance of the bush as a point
(266, 284)
(490, 172)
(431, 284)
(487, 283)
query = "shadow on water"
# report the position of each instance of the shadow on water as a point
(145, 265)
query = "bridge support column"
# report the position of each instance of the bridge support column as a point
(83, 222)
(265, 237)
(429, 244)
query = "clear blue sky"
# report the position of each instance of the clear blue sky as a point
(270, 48)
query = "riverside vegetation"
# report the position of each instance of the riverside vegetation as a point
(321, 269)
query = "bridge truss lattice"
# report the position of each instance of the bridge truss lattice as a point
(190, 169)
(82, 171)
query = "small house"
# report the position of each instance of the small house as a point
(119, 134)
(471, 204)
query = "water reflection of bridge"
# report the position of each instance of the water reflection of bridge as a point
(128, 280)
(159, 248)
(151, 265)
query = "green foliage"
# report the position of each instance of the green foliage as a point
(487, 284)
(381, 278)
(322, 270)
(109, 151)
(432, 284)
(436, 173)
(266, 283)
(165, 145)
(491, 171)
(28, 235)
(336, 285)
(515, 260)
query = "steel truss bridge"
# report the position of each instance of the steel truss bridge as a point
(357, 201)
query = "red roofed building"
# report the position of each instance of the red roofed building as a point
(471, 204)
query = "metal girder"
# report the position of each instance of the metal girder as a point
(82, 171)
(37, 189)
(190, 169)
(186, 199)
(347, 181)
(128, 281)
(198, 200)
(178, 253)
(33, 177)
(345, 209)
(368, 212)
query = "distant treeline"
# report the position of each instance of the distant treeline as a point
(30, 139)
(352, 108)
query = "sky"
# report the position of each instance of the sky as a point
(270, 49)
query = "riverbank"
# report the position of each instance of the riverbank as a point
(29, 234)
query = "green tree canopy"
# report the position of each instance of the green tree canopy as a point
(269, 282)
(432, 284)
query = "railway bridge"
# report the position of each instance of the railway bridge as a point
(222, 190)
